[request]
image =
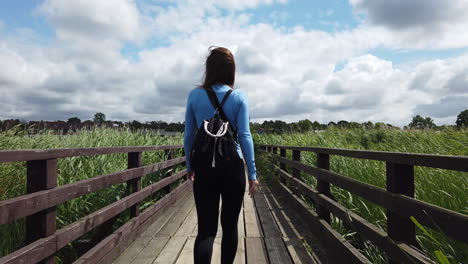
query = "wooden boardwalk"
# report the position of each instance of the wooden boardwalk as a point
(266, 235)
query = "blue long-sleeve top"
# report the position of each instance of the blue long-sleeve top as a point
(199, 108)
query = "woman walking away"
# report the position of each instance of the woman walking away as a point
(217, 140)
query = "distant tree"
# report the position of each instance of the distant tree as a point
(421, 122)
(316, 125)
(74, 120)
(136, 125)
(380, 125)
(368, 125)
(342, 124)
(354, 125)
(305, 125)
(99, 117)
(331, 123)
(462, 119)
(280, 126)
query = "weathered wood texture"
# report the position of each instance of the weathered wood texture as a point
(458, 163)
(41, 175)
(43, 154)
(172, 236)
(451, 223)
(365, 229)
(22, 206)
(71, 232)
(398, 199)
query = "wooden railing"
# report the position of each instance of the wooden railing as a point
(38, 206)
(399, 242)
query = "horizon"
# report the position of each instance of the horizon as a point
(356, 60)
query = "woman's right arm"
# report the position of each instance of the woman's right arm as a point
(189, 132)
(245, 137)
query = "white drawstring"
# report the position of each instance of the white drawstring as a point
(221, 132)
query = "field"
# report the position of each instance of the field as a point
(439, 187)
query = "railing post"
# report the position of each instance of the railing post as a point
(400, 179)
(169, 154)
(323, 162)
(134, 185)
(41, 175)
(296, 156)
(282, 165)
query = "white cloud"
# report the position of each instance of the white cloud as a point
(95, 19)
(287, 73)
(416, 24)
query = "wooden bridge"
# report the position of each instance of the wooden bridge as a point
(288, 221)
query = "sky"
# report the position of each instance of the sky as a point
(324, 60)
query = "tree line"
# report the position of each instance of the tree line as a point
(270, 126)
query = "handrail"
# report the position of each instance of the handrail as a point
(39, 205)
(457, 163)
(399, 241)
(43, 154)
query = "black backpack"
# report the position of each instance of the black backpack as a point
(215, 141)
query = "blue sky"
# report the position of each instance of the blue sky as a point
(357, 60)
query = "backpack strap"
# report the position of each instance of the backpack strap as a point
(219, 106)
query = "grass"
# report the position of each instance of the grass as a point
(444, 188)
(440, 187)
(73, 169)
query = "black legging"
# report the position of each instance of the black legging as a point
(208, 186)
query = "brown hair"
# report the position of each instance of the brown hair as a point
(220, 68)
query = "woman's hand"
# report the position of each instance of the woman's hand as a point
(191, 175)
(253, 185)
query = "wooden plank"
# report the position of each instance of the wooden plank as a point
(298, 251)
(296, 156)
(458, 163)
(111, 247)
(25, 205)
(134, 185)
(160, 221)
(151, 251)
(41, 175)
(219, 231)
(32, 253)
(240, 224)
(360, 225)
(323, 162)
(171, 250)
(195, 230)
(330, 238)
(186, 256)
(171, 227)
(216, 256)
(276, 250)
(255, 250)
(43, 154)
(240, 254)
(293, 225)
(186, 227)
(133, 250)
(252, 223)
(400, 179)
(260, 200)
(77, 229)
(269, 227)
(451, 223)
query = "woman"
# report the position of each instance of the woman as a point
(212, 183)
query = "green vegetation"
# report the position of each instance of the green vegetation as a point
(440, 187)
(444, 188)
(13, 175)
